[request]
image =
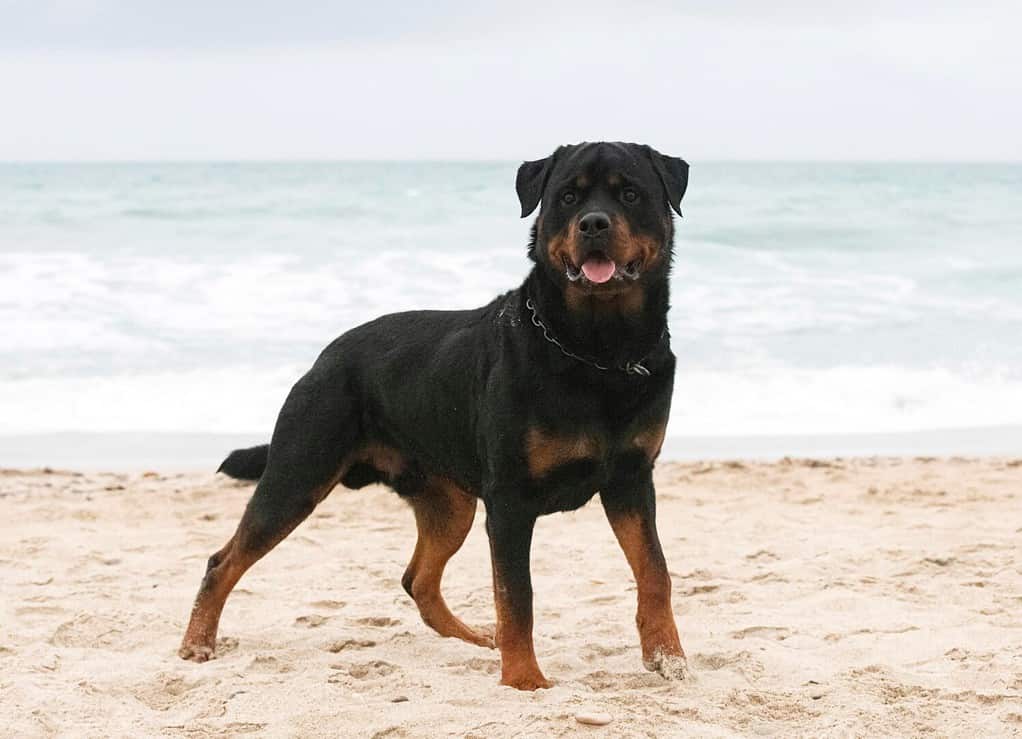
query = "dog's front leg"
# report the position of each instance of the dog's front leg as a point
(631, 509)
(510, 533)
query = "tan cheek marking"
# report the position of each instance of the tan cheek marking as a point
(561, 246)
(581, 182)
(651, 440)
(613, 180)
(632, 246)
(544, 452)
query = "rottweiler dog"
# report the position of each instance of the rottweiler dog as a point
(553, 393)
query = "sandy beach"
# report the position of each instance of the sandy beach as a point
(874, 596)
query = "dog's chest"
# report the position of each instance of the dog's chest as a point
(567, 466)
(546, 450)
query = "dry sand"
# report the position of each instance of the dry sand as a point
(863, 597)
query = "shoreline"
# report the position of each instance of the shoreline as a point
(199, 452)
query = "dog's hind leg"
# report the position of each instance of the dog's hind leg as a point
(443, 515)
(311, 437)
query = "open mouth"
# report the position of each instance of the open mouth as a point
(598, 268)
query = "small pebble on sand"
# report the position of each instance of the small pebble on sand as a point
(593, 718)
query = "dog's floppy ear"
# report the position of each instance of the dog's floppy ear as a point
(673, 172)
(531, 180)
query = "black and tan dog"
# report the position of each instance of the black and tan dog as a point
(535, 403)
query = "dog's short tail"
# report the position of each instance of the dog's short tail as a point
(246, 464)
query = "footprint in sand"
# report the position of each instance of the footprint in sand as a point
(718, 660)
(742, 662)
(165, 691)
(271, 664)
(40, 611)
(328, 604)
(378, 621)
(90, 631)
(592, 652)
(965, 656)
(775, 706)
(367, 670)
(602, 680)
(768, 577)
(340, 646)
(243, 727)
(762, 632)
(836, 637)
(311, 621)
(477, 664)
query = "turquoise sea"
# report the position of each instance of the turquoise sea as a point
(808, 298)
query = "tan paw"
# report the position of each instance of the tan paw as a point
(669, 666)
(484, 636)
(195, 652)
(527, 682)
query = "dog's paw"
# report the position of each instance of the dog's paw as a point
(527, 682)
(668, 666)
(485, 636)
(195, 652)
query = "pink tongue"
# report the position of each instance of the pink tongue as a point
(598, 269)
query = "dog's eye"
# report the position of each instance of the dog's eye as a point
(569, 198)
(629, 195)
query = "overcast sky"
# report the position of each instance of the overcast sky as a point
(730, 79)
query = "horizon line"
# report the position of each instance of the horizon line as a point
(468, 160)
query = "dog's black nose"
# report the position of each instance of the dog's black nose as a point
(594, 224)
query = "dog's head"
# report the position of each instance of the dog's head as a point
(605, 225)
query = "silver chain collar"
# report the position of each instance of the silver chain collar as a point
(629, 368)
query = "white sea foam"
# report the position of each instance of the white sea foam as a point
(825, 299)
(782, 401)
(235, 399)
(246, 399)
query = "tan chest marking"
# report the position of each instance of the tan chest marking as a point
(651, 439)
(545, 451)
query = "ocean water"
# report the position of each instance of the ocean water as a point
(807, 298)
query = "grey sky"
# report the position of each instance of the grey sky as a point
(113, 79)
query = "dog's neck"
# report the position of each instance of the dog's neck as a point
(613, 331)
